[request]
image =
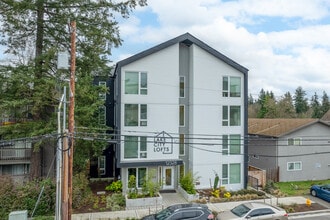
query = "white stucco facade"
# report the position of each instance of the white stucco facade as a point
(203, 70)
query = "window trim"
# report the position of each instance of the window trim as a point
(139, 150)
(182, 150)
(141, 121)
(182, 120)
(141, 89)
(295, 141)
(228, 92)
(294, 165)
(101, 164)
(182, 84)
(102, 95)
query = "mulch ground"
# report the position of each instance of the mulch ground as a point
(303, 207)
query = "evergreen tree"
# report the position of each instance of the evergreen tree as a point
(300, 101)
(325, 104)
(34, 32)
(285, 106)
(316, 107)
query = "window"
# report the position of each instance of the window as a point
(234, 173)
(139, 174)
(224, 173)
(143, 115)
(231, 144)
(292, 166)
(181, 115)
(135, 147)
(101, 165)
(181, 86)
(235, 144)
(234, 113)
(181, 169)
(231, 173)
(136, 83)
(231, 86)
(294, 141)
(181, 144)
(135, 114)
(102, 115)
(102, 95)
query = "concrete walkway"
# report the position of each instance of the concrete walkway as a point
(176, 198)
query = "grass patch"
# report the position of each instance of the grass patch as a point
(298, 188)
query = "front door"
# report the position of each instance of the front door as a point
(168, 177)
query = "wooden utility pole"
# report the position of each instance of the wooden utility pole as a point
(68, 147)
(71, 113)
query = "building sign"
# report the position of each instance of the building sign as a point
(163, 143)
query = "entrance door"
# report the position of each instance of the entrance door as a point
(168, 177)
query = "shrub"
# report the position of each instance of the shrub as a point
(115, 201)
(116, 186)
(150, 187)
(81, 192)
(132, 190)
(187, 183)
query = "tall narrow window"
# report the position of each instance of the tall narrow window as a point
(101, 165)
(143, 84)
(225, 86)
(181, 144)
(181, 115)
(224, 115)
(131, 147)
(143, 147)
(131, 114)
(235, 173)
(235, 144)
(235, 115)
(102, 95)
(136, 83)
(182, 86)
(224, 173)
(224, 144)
(143, 115)
(102, 115)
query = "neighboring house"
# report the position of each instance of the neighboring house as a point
(292, 149)
(181, 106)
(17, 158)
(104, 166)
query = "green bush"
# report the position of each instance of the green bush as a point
(7, 196)
(115, 201)
(116, 186)
(187, 183)
(81, 192)
(150, 186)
(132, 190)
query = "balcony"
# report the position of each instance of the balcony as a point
(10, 155)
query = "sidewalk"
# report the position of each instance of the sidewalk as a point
(175, 198)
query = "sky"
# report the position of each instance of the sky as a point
(284, 43)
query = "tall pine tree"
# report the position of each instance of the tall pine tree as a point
(33, 33)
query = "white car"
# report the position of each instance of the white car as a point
(254, 210)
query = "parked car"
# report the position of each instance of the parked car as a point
(254, 210)
(321, 191)
(182, 211)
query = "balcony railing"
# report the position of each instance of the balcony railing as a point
(15, 153)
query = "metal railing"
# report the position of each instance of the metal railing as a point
(15, 153)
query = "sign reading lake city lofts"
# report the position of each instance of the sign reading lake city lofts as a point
(163, 143)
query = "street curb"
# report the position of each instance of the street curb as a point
(309, 212)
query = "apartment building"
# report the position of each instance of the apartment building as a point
(181, 106)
